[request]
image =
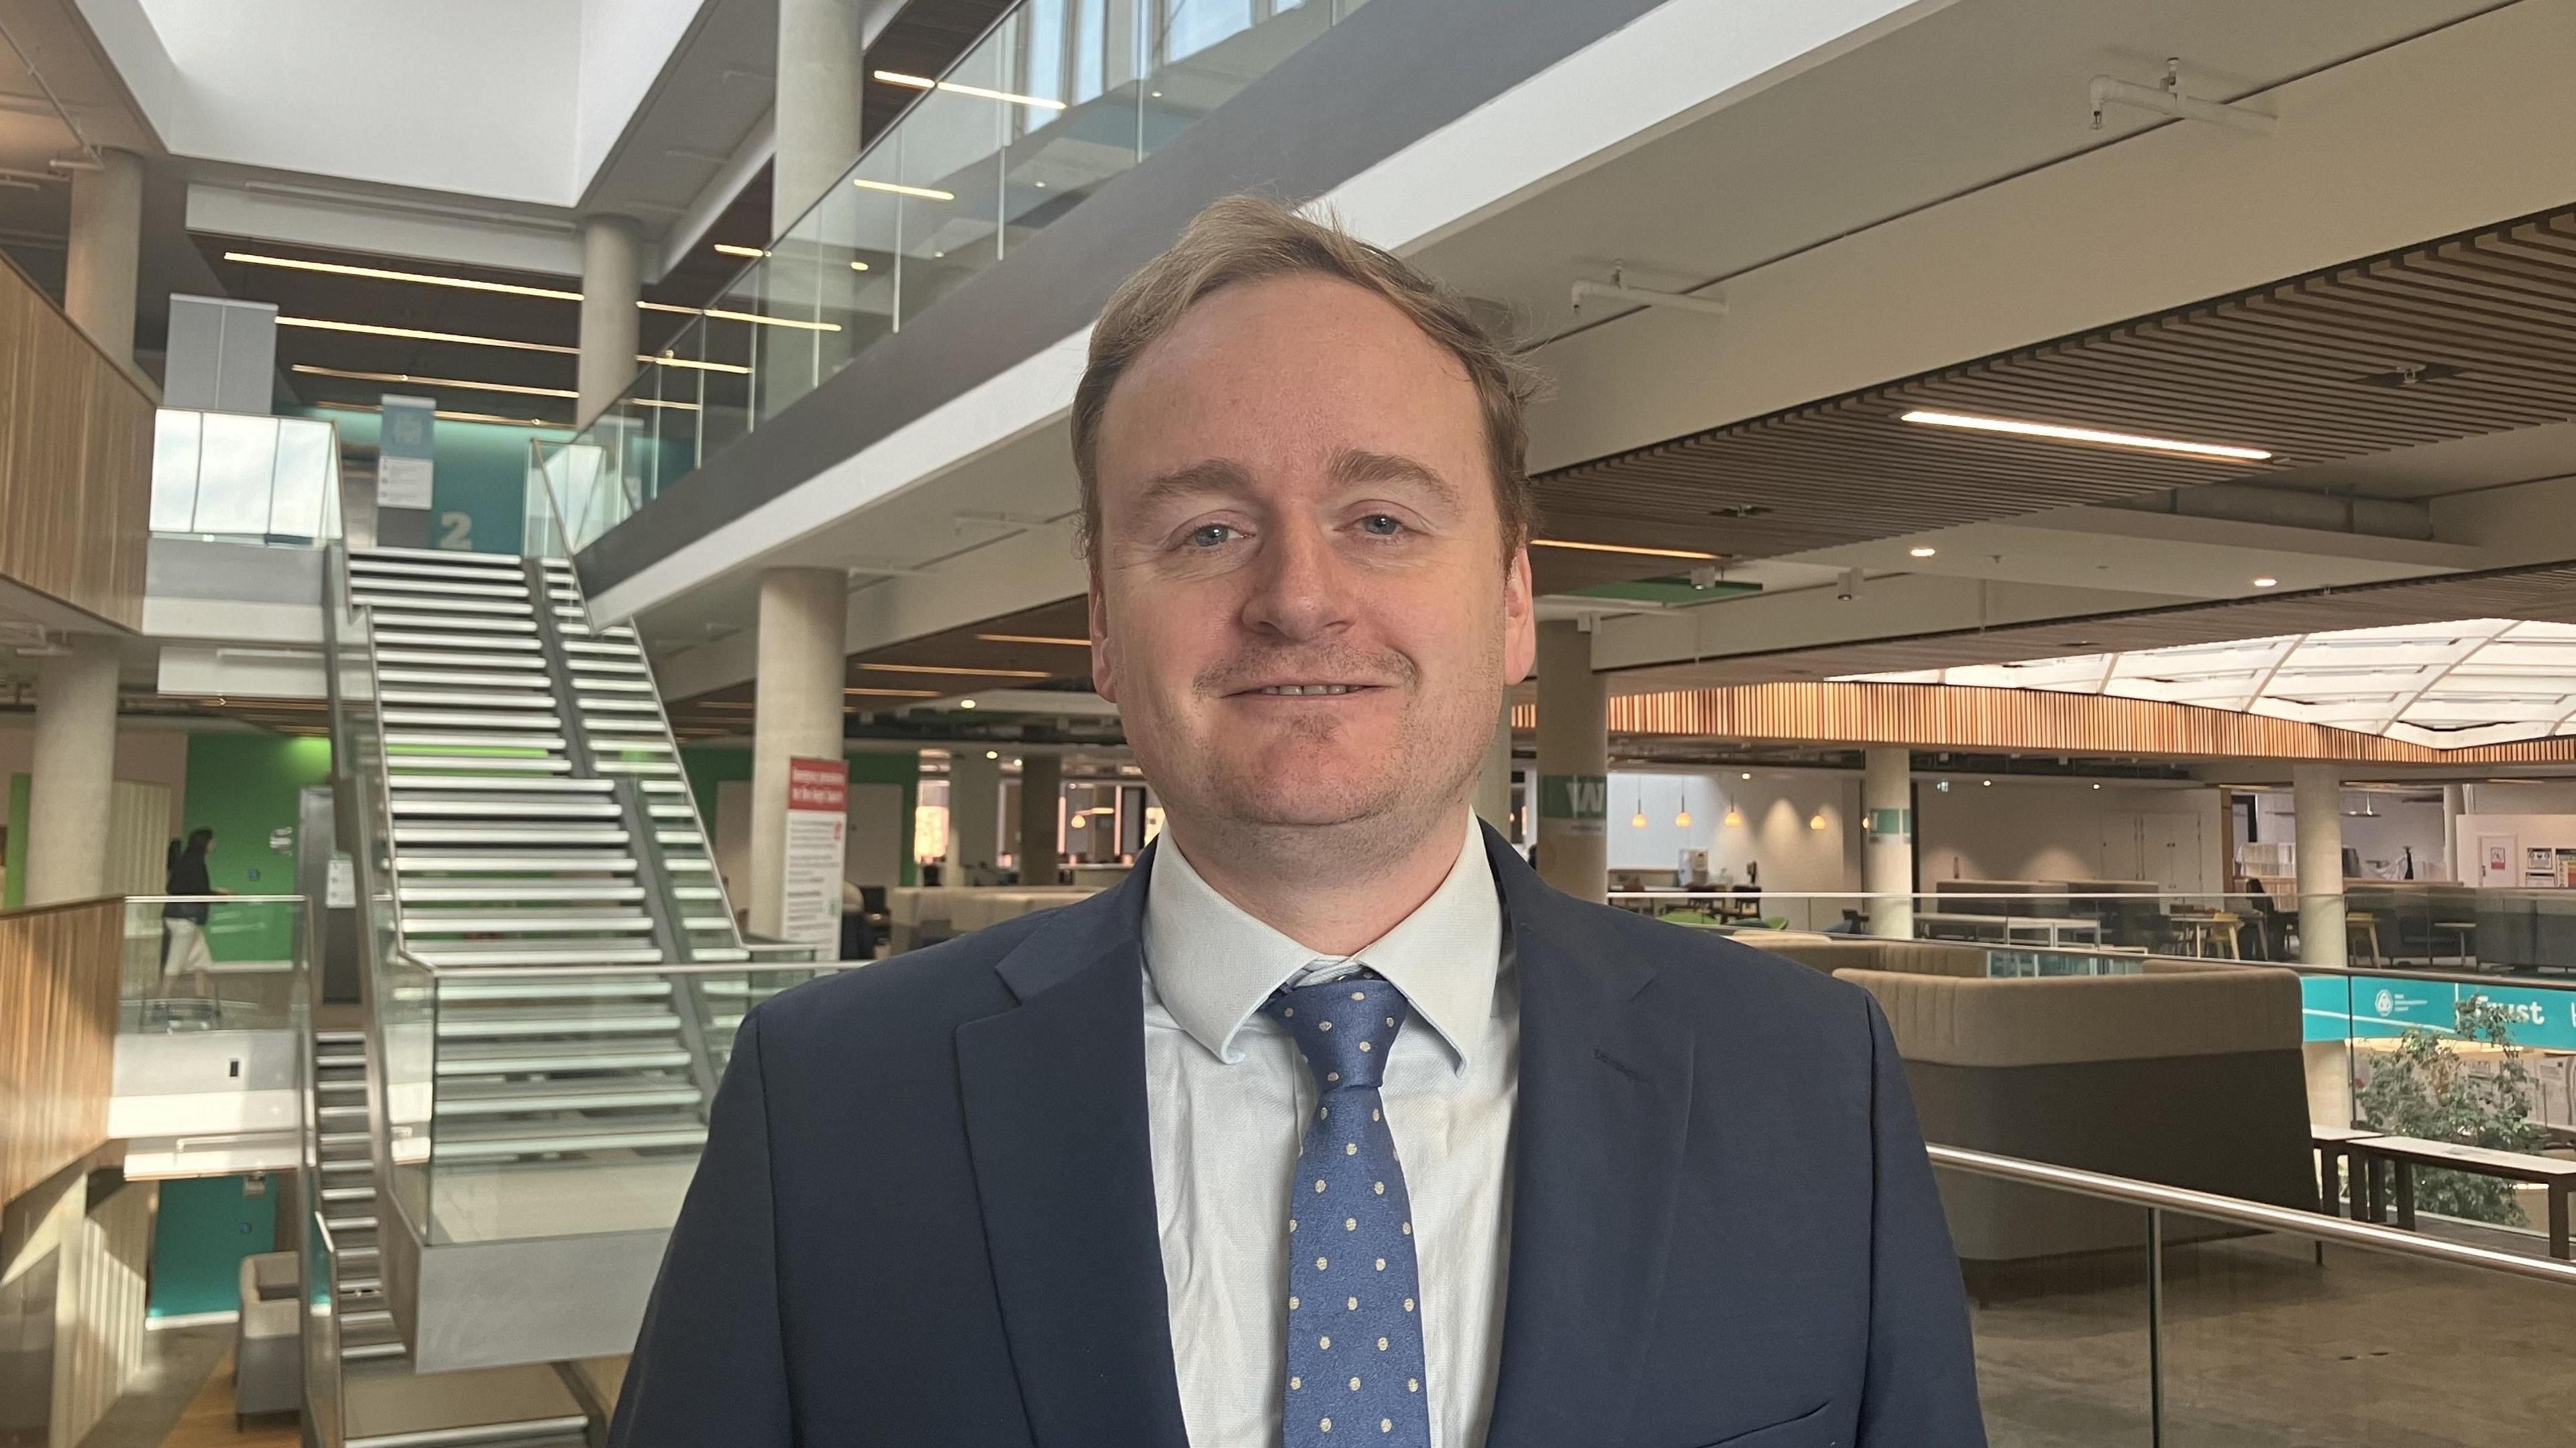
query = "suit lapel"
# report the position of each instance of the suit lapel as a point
(1605, 1088)
(1054, 1097)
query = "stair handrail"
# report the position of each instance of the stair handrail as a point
(661, 712)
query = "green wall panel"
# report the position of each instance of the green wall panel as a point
(708, 765)
(481, 478)
(244, 788)
(205, 1227)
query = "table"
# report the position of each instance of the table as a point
(2466, 930)
(2209, 928)
(2334, 1147)
(2010, 929)
(2405, 1153)
(2365, 925)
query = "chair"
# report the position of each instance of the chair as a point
(268, 1343)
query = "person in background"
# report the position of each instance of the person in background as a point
(183, 922)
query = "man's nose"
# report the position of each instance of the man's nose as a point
(1299, 590)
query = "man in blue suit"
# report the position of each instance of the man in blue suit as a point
(1332, 1123)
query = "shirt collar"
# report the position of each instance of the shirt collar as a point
(1212, 964)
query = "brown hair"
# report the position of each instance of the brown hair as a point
(1249, 238)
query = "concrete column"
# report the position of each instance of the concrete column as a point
(1573, 763)
(612, 279)
(1041, 811)
(73, 776)
(1494, 782)
(974, 814)
(2317, 802)
(1887, 841)
(797, 702)
(2455, 861)
(820, 45)
(102, 262)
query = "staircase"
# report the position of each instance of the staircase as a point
(348, 1196)
(535, 821)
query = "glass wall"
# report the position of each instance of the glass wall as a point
(235, 475)
(1056, 98)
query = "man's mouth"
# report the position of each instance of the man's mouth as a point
(1294, 690)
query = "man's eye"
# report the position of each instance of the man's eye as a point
(1381, 525)
(1210, 536)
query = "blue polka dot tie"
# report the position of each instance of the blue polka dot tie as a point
(1354, 1309)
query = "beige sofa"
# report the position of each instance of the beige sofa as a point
(2186, 1074)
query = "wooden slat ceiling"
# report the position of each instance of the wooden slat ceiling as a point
(2288, 368)
(2545, 595)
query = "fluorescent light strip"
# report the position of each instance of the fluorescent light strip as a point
(418, 335)
(729, 249)
(1622, 548)
(890, 693)
(1033, 639)
(514, 387)
(900, 189)
(457, 416)
(923, 82)
(722, 315)
(548, 293)
(947, 669)
(383, 275)
(2086, 434)
(669, 361)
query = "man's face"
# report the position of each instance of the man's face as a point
(1301, 601)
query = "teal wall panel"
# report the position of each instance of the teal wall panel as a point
(205, 1227)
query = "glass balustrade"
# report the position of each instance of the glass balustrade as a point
(213, 1035)
(241, 476)
(1057, 98)
(2110, 1312)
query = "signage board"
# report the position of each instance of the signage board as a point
(817, 826)
(1574, 804)
(2383, 1008)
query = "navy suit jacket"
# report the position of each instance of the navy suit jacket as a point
(926, 1211)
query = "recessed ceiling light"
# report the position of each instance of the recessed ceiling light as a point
(2062, 433)
(1621, 548)
(729, 249)
(992, 754)
(965, 703)
(1921, 552)
(1988, 783)
(923, 82)
(2267, 582)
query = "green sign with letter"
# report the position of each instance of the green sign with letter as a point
(1575, 804)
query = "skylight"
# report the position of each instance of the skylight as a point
(2441, 685)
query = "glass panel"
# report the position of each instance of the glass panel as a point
(1205, 51)
(308, 469)
(2269, 1338)
(176, 439)
(1056, 156)
(239, 462)
(947, 176)
(2057, 1292)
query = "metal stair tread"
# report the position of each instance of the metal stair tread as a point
(538, 724)
(503, 808)
(485, 992)
(522, 922)
(429, 893)
(505, 1024)
(383, 621)
(493, 1058)
(504, 1098)
(510, 834)
(450, 782)
(411, 770)
(464, 1144)
(507, 954)
(475, 862)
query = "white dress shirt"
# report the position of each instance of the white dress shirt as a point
(1229, 1096)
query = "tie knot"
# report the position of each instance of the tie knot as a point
(1343, 1028)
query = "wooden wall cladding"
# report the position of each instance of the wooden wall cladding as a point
(58, 982)
(75, 461)
(1955, 716)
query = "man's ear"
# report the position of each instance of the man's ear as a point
(1104, 656)
(1520, 619)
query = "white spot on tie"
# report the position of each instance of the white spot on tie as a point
(1381, 1344)
(1319, 1184)
(1326, 1425)
(1381, 1190)
(1408, 1229)
(1413, 1385)
(1350, 1224)
(1292, 1224)
(1386, 1425)
(1359, 995)
(1292, 1304)
(1290, 1011)
(1355, 1385)
(1323, 1025)
(1390, 1020)
(1363, 1045)
(1351, 1304)
(1324, 1113)
(1408, 1304)
(1296, 1384)
(1323, 1342)
(1374, 1115)
(1319, 1264)
(1349, 1148)
(1381, 1264)
(1332, 1075)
